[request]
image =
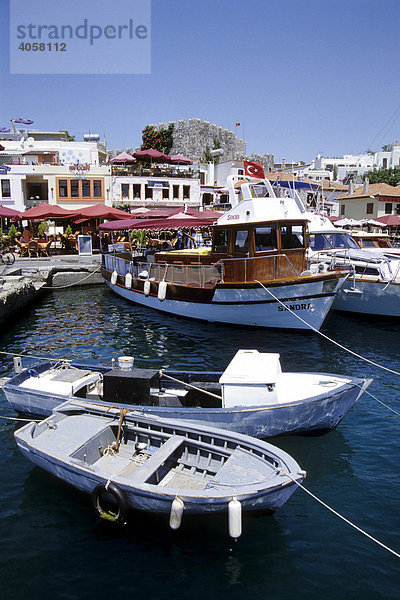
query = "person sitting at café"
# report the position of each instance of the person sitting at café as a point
(26, 236)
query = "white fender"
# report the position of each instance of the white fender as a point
(175, 518)
(146, 288)
(114, 277)
(128, 280)
(162, 290)
(235, 518)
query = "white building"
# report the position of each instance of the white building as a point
(45, 167)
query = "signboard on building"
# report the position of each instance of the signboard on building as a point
(158, 184)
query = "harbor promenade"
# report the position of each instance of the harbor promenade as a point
(27, 279)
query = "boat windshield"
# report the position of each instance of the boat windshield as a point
(329, 241)
(259, 190)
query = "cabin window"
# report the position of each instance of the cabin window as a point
(221, 241)
(137, 190)
(265, 238)
(370, 208)
(241, 241)
(165, 193)
(148, 192)
(342, 210)
(388, 208)
(259, 190)
(186, 192)
(175, 192)
(292, 236)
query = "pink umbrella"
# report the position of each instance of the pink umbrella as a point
(151, 155)
(123, 158)
(44, 211)
(99, 211)
(390, 220)
(179, 159)
(8, 213)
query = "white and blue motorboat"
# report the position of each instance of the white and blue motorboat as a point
(130, 460)
(252, 396)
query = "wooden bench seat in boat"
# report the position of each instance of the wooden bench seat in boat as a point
(144, 472)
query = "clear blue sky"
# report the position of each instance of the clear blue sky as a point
(302, 77)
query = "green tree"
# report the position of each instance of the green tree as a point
(12, 234)
(70, 138)
(390, 176)
(159, 139)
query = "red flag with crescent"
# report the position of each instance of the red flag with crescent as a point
(253, 169)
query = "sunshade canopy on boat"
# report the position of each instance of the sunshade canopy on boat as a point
(348, 223)
(124, 157)
(390, 220)
(297, 185)
(169, 223)
(333, 219)
(8, 213)
(151, 155)
(99, 211)
(44, 211)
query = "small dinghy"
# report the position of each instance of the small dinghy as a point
(252, 396)
(128, 460)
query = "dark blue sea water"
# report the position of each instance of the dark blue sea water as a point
(53, 546)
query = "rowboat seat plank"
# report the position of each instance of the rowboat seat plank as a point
(145, 471)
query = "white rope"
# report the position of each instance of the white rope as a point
(380, 401)
(371, 362)
(16, 419)
(332, 510)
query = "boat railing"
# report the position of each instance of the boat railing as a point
(197, 275)
(343, 259)
(248, 269)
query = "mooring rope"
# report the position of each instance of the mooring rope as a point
(61, 287)
(335, 512)
(371, 362)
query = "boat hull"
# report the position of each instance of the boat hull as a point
(369, 297)
(59, 443)
(250, 305)
(312, 415)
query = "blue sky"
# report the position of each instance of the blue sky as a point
(302, 77)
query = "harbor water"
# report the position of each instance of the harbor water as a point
(54, 546)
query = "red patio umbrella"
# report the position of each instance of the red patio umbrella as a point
(99, 211)
(151, 155)
(179, 159)
(43, 211)
(390, 220)
(8, 213)
(123, 158)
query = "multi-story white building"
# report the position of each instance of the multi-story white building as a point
(46, 167)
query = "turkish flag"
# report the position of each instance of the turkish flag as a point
(253, 169)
